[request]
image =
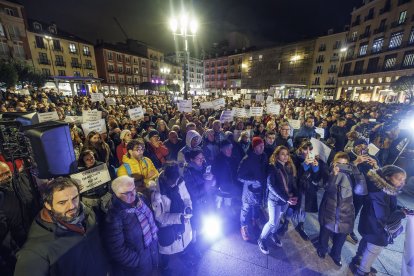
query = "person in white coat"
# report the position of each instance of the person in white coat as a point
(173, 210)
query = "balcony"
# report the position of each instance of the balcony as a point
(351, 39)
(128, 72)
(87, 54)
(316, 83)
(380, 29)
(73, 51)
(317, 72)
(368, 17)
(44, 61)
(334, 58)
(322, 49)
(75, 65)
(330, 83)
(332, 71)
(60, 63)
(320, 60)
(396, 24)
(111, 70)
(356, 23)
(365, 35)
(89, 66)
(57, 49)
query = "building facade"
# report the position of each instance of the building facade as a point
(326, 64)
(380, 49)
(195, 72)
(13, 38)
(215, 73)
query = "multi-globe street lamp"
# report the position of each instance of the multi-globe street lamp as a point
(185, 26)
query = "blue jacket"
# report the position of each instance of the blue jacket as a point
(125, 244)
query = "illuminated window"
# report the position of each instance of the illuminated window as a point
(408, 59)
(396, 40)
(72, 48)
(377, 45)
(363, 49)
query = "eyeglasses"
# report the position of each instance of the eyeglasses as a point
(285, 129)
(139, 149)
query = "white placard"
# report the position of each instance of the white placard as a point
(91, 115)
(248, 97)
(206, 105)
(247, 102)
(110, 101)
(185, 106)
(98, 126)
(219, 103)
(226, 116)
(273, 109)
(136, 113)
(321, 149)
(373, 149)
(141, 92)
(372, 120)
(48, 116)
(295, 124)
(240, 112)
(269, 99)
(256, 111)
(92, 178)
(320, 131)
(73, 119)
(259, 98)
(236, 97)
(230, 93)
(318, 98)
(97, 97)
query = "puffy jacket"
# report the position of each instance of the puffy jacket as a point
(50, 250)
(275, 184)
(157, 155)
(181, 158)
(139, 167)
(225, 169)
(124, 241)
(337, 212)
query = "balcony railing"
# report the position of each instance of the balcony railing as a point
(87, 54)
(44, 61)
(365, 35)
(369, 17)
(60, 63)
(73, 51)
(396, 24)
(330, 83)
(317, 72)
(75, 65)
(356, 23)
(89, 66)
(380, 29)
(332, 71)
(57, 48)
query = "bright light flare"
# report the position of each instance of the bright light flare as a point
(212, 227)
(173, 25)
(193, 26)
(343, 49)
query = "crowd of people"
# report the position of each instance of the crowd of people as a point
(170, 167)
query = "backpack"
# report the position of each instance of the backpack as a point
(127, 167)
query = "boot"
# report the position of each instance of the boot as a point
(245, 233)
(283, 228)
(300, 229)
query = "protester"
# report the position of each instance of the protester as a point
(121, 149)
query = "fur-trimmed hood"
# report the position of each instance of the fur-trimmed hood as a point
(382, 184)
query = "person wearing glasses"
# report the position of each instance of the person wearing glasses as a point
(137, 166)
(284, 139)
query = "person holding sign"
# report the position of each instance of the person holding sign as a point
(137, 166)
(95, 143)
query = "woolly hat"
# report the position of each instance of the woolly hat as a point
(256, 141)
(153, 133)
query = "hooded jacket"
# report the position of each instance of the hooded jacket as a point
(181, 158)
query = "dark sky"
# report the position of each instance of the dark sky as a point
(250, 22)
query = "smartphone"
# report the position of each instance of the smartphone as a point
(311, 155)
(344, 168)
(208, 169)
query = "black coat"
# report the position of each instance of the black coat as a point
(277, 174)
(224, 169)
(124, 241)
(336, 212)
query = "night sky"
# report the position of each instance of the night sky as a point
(242, 22)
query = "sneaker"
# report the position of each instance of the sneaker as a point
(276, 240)
(356, 261)
(245, 233)
(263, 246)
(352, 238)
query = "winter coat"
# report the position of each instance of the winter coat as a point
(173, 149)
(377, 210)
(339, 133)
(224, 169)
(120, 152)
(181, 158)
(157, 155)
(305, 132)
(253, 167)
(50, 250)
(280, 141)
(161, 205)
(337, 212)
(210, 151)
(277, 174)
(139, 167)
(124, 241)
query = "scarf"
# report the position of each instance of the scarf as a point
(75, 225)
(177, 203)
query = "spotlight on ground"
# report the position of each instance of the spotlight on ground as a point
(212, 227)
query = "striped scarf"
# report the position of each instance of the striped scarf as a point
(146, 219)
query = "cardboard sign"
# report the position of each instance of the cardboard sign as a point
(110, 101)
(247, 102)
(256, 111)
(226, 116)
(219, 103)
(97, 97)
(236, 97)
(230, 93)
(320, 131)
(98, 126)
(269, 99)
(185, 106)
(240, 112)
(373, 149)
(91, 115)
(273, 109)
(48, 116)
(318, 98)
(92, 178)
(295, 124)
(73, 119)
(136, 113)
(321, 149)
(141, 92)
(206, 105)
(259, 98)
(248, 97)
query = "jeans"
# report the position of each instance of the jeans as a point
(338, 242)
(275, 212)
(369, 256)
(250, 205)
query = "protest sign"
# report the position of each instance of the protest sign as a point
(110, 101)
(185, 106)
(206, 105)
(321, 149)
(318, 98)
(97, 97)
(246, 102)
(269, 99)
(73, 119)
(372, 149)
(92, 178)
(240, 112)
(226, 116)
(91, 115)
(320, 131)
(48, 116)
(141, 92)
(259, 98)
(256, 111)
(219, 103)
(295, 124)
(273, 109)
(98, 126)
(136, 113)
(248, 97)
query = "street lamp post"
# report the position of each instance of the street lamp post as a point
(49, 38)
(185, 27)
(165, 71)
